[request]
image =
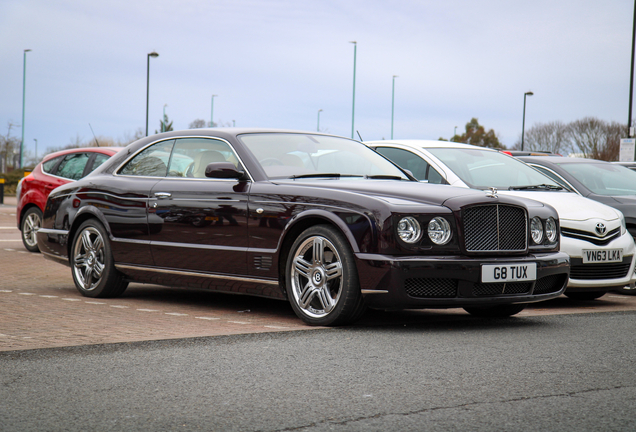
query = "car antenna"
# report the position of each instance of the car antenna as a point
(358, 132)
(96, 142)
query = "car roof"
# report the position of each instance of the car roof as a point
(558, 159)
(428, 144)
(107, 150)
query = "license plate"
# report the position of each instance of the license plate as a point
(602, 256)
(508, 272)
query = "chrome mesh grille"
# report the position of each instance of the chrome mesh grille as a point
(431, 287)
(491, 289)
(495, 227)
(550, 284)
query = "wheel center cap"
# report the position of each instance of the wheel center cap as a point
(318, 277)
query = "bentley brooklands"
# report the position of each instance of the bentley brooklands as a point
(321, 221)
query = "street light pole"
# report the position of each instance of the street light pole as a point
(23, 104)
(153, 55)
(36, 149)
(631, 76)
(523, 124)
(353, 105)
(318, 123)
(393, 104)
(212, 112)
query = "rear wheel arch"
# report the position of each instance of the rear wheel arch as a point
(83, 216)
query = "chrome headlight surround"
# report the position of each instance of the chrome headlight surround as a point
(536, 230)
(409, 230)
(551, 230)
(439, 231)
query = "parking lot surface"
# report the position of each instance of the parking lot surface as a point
(40, 307)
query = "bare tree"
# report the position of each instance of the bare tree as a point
(9, 145)
(197, 124)
(588, 135)
(553, 137)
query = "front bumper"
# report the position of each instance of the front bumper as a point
(414, 282)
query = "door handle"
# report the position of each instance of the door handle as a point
(163, 195)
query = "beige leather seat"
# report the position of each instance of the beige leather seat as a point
(202, 159)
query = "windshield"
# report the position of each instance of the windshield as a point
(482, 169)
(291, 155)
(603, 178)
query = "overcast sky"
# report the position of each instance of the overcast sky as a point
(275, 63)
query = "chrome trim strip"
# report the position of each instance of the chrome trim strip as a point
(116, 170)
(53, 231)
(197, 274)
(366, 291)
(199, 246)
(125, 240)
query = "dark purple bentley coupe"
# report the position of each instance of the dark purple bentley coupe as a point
(319, 220)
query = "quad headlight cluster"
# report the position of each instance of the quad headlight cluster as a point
(539, 232)
(439, 230)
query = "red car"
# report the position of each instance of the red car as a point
(55, 170)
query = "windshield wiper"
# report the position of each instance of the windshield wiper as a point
(317, 175)
(536, 187)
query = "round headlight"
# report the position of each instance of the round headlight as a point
(409, 230)
(536, 230)
(551, 231)
(439, 231)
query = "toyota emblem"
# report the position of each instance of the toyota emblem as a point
(600, 229)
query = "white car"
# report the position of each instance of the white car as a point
(602, 252)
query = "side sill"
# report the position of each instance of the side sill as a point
(196, 274)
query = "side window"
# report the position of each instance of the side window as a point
(49, 165)
(100, 158)
(420, 169)
(552, 175)
(192, 155)
(152, 162)
(72, 167)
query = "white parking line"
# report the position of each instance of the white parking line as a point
(275, 327)
(237, 322)
(147, 310)
(207, 318)
(6, 291)
(13, 228)
(176, 314)
(71, 299)
(26, 294)
(119, 306)
(48, 296)
(94, 302)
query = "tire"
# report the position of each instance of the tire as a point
(322, 279)
(92, 265)
(593, 295)
(500, 311)
(627, 291)
(31, 222)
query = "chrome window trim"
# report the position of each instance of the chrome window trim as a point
(117, 174)
(197, 274)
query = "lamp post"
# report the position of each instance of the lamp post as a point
(36, 149)
(212, 112)
(631, 76)
(153, 55)
(523, 125)
(455, 133)
(163, 121)
(233, 123)
(23, 104)
(318, 123)
(393, 104)
(353, 104)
